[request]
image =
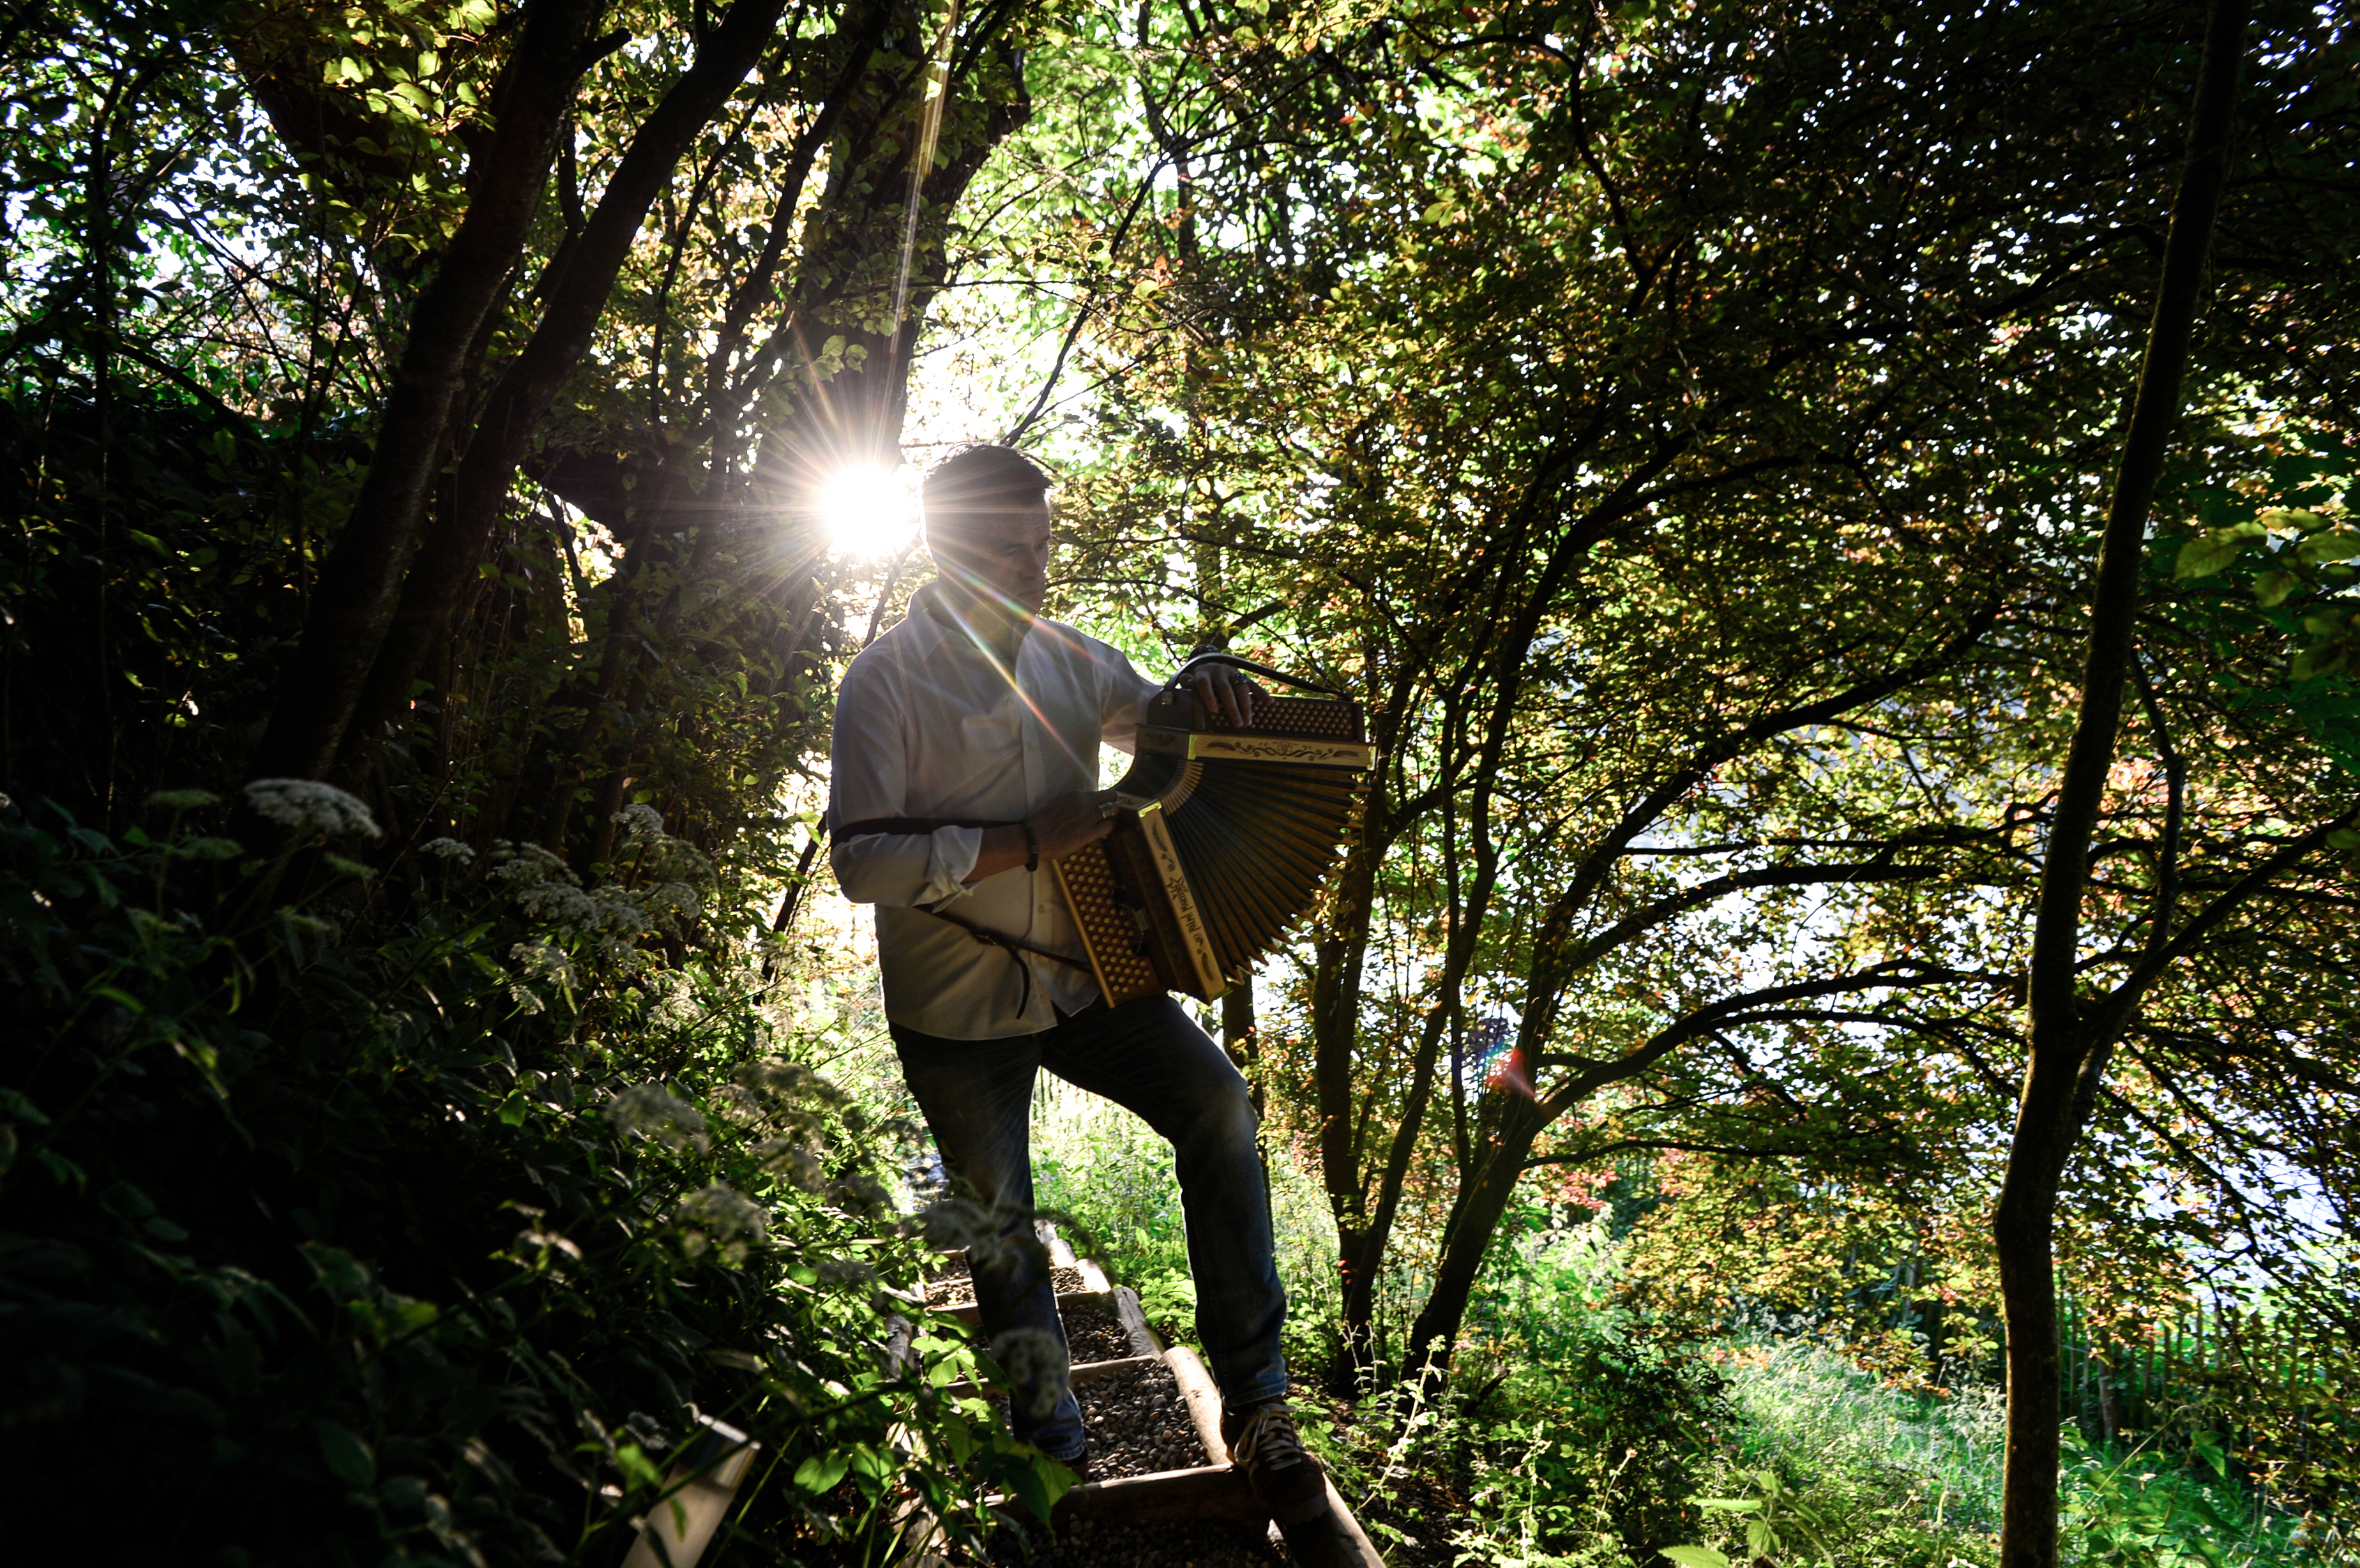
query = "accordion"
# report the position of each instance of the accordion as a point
(1221, 838)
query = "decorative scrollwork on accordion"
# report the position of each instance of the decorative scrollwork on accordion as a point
(1223, 841)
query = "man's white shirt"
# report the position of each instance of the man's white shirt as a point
(932, 723)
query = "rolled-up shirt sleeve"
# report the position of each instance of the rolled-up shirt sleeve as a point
(867, 781)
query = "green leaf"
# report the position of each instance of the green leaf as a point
(821, 1472)
(2327, 658)
(1695, 1556)
(2336, 544)
(2207, 553)
(346, 1453)
(2272, 589)
(1039, 1484)
(2342, 838)
(637, 1469)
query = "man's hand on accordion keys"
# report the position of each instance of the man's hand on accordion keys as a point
(1069, 821)
(1225, 694)
(1059, 828)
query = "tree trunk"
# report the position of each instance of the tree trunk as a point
(355, 598)
(1240, 1037)
(434, 593)
(1482, 1203)
(2068, 1052)
(1335, 1034)
(853, 416)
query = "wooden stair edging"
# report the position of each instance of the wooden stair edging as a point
(1332, 1538)
(698, 1492)
(1203, 1399)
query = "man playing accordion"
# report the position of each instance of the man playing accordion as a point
(977, 710)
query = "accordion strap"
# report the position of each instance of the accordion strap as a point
(1221, 655)
(1015, 947)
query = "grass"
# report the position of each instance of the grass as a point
(1802, 1405)
(1868, 1474)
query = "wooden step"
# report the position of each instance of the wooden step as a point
(1168, 1497)
(1088, 1372)
(1214, 1491)
(970, 1314)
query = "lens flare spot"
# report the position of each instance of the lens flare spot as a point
(868, 510)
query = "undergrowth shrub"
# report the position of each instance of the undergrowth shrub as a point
(427, 1224)
(1590, 1462)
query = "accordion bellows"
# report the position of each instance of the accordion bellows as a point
(1223, 840)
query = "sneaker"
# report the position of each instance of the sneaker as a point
(1284, 1477)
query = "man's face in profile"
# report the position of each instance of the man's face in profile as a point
(1002, 554)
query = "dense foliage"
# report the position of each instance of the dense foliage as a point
(430, 1252)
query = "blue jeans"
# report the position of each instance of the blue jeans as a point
(1149, 1056)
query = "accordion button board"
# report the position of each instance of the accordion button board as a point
(1224, 839)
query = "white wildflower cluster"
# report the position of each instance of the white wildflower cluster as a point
(861, 1194)
(560, 905)
(642, 837)
(539, 960)
(956, 1225)
(547, 892)
(641, 823)
(782, 1101)
(768, 1083)
(674, 896)
(450, 850)
(654, 1111)
(543, 886)
(307, 934)
(536, 1237)
(1034, 1364)
(722, 1218)
(670, 1003)
(307, 807)
(516, 866)
(668, 870)
(795, 1160)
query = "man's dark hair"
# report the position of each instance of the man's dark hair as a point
(978, 482)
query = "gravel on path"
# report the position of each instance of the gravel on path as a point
(952, 1288)
(1137, 1424)
(1093, 1335)
(1137, 1421)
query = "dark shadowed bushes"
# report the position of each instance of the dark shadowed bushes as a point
(400, 1251)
